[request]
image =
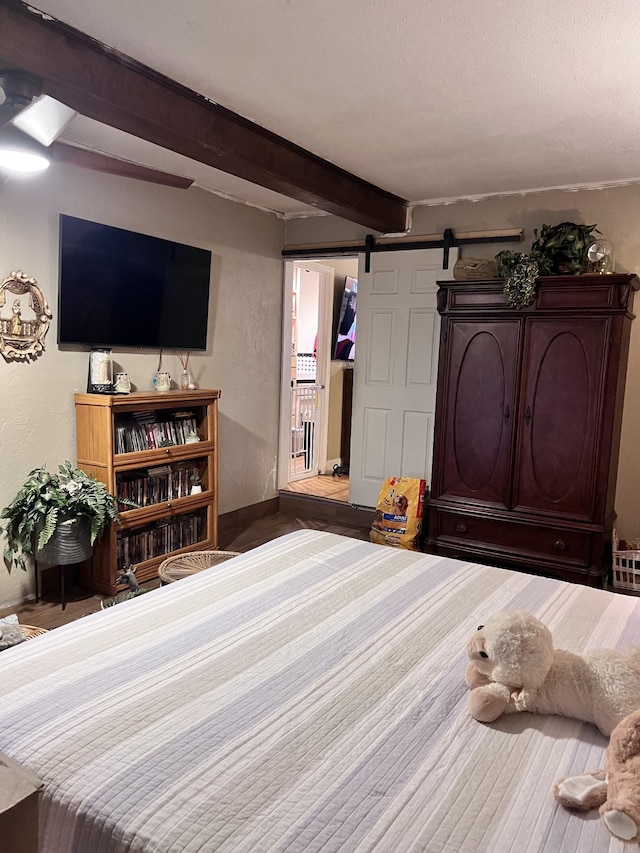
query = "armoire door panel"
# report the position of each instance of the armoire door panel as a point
(560, 416)
(478, 420)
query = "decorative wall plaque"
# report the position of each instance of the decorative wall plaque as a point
(24, 317)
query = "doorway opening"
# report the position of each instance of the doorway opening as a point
(319, 304)
(395, 373)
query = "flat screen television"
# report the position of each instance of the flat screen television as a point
(345, 348)
(118, 288)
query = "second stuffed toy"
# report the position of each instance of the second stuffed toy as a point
(514, 667)
(616, 789)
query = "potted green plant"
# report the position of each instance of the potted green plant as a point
(520, 273)
(68, 510)
(557, 250)
(562, 249)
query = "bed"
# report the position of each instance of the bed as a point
(305, 696)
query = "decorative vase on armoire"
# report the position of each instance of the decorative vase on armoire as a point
(527, 429)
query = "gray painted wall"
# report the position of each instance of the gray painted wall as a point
(243, 354)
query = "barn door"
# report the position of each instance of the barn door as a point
(395, 369)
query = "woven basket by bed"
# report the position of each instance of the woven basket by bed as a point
(183, 565)
(30, 631)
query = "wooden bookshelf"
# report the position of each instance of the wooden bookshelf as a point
(141, 447)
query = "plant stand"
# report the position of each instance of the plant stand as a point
(62, 567)
(69, 545)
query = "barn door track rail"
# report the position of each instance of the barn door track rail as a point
(445, 241)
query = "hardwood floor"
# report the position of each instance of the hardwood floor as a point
(322, 486)
(48, 614)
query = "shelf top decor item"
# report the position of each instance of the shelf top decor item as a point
(601, 257)
(562, 249)
(520, 273)
(48, 501)
(558, 250)
(474, 269)
(22, 332)
(161, 381)
(100, 378)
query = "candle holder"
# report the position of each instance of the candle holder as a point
(100, 379)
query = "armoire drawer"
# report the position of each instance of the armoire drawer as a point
(566, 546)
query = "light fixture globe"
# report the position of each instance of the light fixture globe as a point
(20, 153)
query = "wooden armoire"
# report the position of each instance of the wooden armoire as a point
(527, 429)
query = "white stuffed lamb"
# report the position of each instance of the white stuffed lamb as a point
(514, 667)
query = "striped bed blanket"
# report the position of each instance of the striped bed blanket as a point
(307, 696)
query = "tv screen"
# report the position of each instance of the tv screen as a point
(345, 349)
(118, 288)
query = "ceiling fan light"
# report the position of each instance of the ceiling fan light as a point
(22, 161)
(44, 119)
(20, 153)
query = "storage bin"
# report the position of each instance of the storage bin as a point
(626, 570)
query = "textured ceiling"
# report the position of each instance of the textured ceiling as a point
(428, 100)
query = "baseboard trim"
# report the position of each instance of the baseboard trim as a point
(246, 515)
(323, 509)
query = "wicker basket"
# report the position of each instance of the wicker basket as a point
(30, 631)
(626, 570)
(183, 565)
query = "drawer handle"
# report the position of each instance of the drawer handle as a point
(527, 416)
(167, 451)
(461, 528)
(560, 545)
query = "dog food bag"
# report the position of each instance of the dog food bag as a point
(399, 512)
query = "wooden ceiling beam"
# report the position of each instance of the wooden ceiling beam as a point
(111, 88)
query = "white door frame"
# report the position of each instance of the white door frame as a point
(323, 367)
